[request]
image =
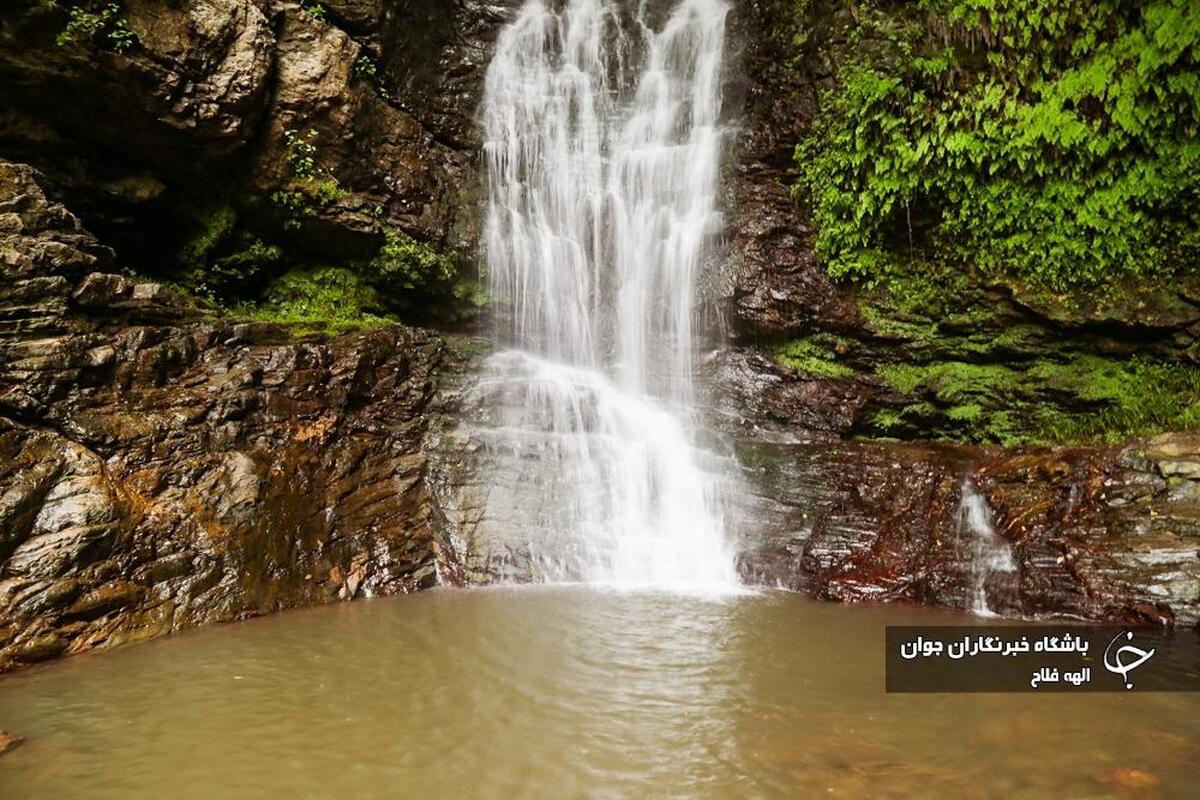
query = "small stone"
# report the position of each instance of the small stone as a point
(102, 356)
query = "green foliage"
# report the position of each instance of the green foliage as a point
(319, 299)
(805, 355)
(313, 9)
(243, 268)
(790, 28)
(295, 207)
(405, 262)
(219, 261)
(1057, 142)
(98, 22)
(312, 185)
(365, 68)
(952, 381)
(1135, 398)
(327, 191)
(302, 152)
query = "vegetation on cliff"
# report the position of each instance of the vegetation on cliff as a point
(95, 21)
(320, 299)
(1010, 190)
(1055, 142)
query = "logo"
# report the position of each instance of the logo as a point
(1139, 657)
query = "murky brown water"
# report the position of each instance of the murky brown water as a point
(566, 693)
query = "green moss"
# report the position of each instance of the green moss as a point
(951, 381)
(319, 299)
(405, 262)
(887, 325)
(805, 355)
(1133, 398)
(1082, 400)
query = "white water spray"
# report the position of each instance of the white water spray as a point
(603, 144)
(988, 551)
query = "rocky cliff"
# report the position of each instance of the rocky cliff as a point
(1107, 530)
(164, 467)
(220, 143)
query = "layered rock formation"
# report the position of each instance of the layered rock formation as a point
(164, 468)
(1095, 534)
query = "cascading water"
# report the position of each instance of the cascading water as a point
(989, 554)
(603, 144)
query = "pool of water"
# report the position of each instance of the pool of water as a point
(566, 692)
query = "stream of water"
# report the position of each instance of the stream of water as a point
(603, 133)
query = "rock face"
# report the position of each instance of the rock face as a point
(9, 742)
(1095, 534)
(204, 109)
(778, 288)
(161, 468)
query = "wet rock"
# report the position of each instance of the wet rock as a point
(76, 518)
(98, 291)
(9, 742)
(42, 647)
(857, 521)
(162, 472)
(40, 239)
(103, 599)
(198, 74)
(165, 129)
(746, 389)
(356, 16)
(1175, 455)
(150, 292)
(1131, 778)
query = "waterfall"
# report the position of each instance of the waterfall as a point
(602, 144)
(989, 554)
